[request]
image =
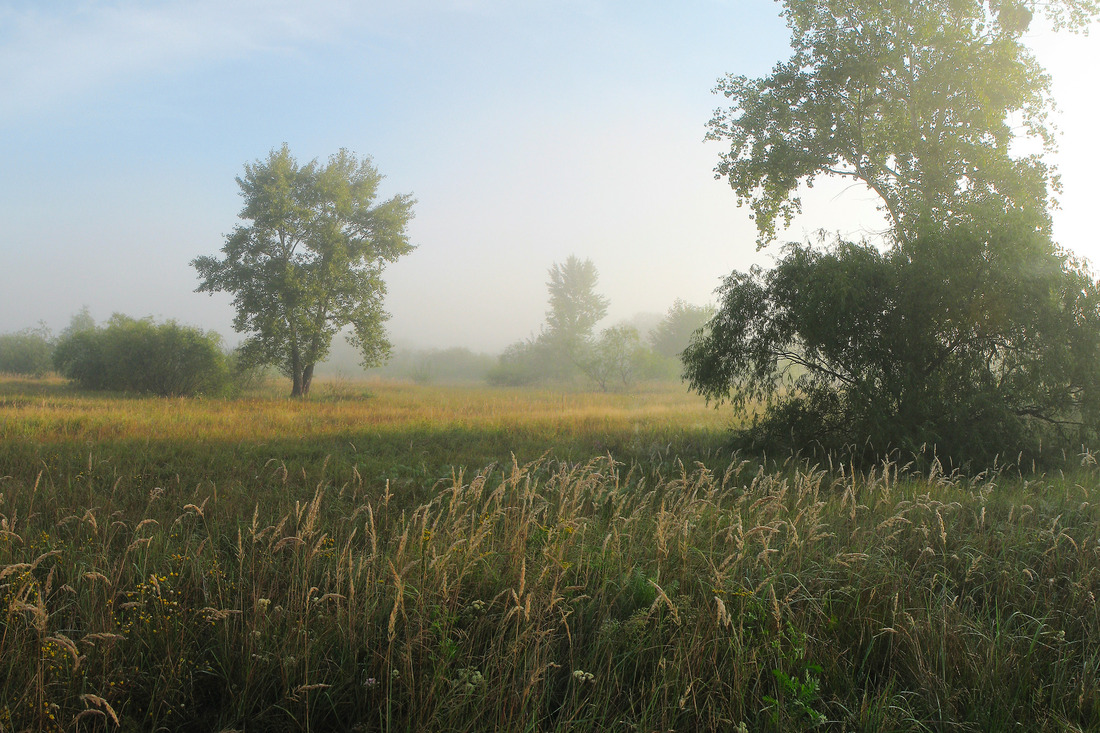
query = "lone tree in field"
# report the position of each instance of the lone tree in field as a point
(970, 328)
(310, 263)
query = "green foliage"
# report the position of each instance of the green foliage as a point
(562, 351)
(455, 365)
(918, 101)
(437, 366)
(798, 694)
(245, 376)
(972, 330)
(567, 349)
(650, 366)
(974, 343)
(798, 697)
(310, 263)
(28, 352)
(617, 359)
(80, 322)
(165, 359)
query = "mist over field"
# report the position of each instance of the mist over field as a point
(127, 124)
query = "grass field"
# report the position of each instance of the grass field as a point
(388, 557)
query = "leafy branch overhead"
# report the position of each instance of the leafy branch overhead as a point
(310, 262)
(916, 100)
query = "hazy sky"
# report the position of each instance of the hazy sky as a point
(528, 130)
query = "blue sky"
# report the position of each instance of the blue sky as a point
(528, 131)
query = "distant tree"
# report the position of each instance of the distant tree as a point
(972, 330)
(613, 357)
(79, 322)
(127, 354)
(310, 262)
(673, 334)
(27, 352)
(565, 349)
(575, 307)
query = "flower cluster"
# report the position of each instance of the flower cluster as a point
(469, 680)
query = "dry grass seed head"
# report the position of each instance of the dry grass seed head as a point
(94, 575)
(105, 706)
(67, 643)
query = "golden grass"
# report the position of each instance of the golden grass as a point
(340, 408)
(169, 565)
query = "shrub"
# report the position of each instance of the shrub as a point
(165, 359)
(981, 342)
(26, 352)
(525, 363)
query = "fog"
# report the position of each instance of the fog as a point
(526, 131)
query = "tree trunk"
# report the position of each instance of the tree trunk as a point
(307, 379)
(297, 374)
(296, 371)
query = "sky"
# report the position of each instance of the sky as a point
(527, 130)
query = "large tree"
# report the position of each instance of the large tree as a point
(920, 101)
(969, 328)
(310, 261)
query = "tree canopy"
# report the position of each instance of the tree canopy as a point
(855, 348)
(971, 329)
(920, 101)
(310, 262)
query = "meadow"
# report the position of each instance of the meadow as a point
(393, 557)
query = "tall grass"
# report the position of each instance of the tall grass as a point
(546, 595)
